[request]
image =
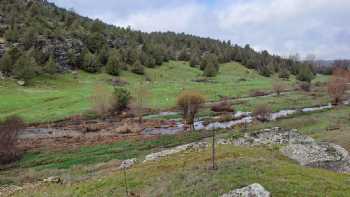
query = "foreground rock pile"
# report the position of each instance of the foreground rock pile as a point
(303, 149)
(320, 155)
(253, 190)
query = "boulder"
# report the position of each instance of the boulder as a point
(320, 155)
(253, 190)
(53, 179)
(21, 83)
(127, 164)
(196, 146)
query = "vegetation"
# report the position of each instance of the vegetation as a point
(8, 139)
(73, 41)
(102, 100)
(190, 102)
(262, 112)
(122, 98)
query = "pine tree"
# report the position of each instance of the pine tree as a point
(51, 66)
(305, 73)
(138, 68)
(25, 68)
(114, 63)
(89, 63)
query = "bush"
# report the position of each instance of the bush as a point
(90, 63)
(190, 102)
(25, 68)
(283, 74)
(223, 106)
(262, 113)
(256, 93)
(305, 86)
(278, 88)
(114, 64)
(138, 68)
(305, 74)
(337, 89)
(122, 98)
(102, 101)
(8, 139)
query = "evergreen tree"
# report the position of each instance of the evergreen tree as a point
(114, 63)
(6, 64)
(210, 65)
(138, 68)
(51, 66)
(305, 73)
(25, 68)
(194, 61)
(89, 63)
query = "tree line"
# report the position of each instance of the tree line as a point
(42, 38)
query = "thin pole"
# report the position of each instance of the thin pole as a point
(213, 151)
(125, 183)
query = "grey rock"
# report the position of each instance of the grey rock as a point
(53, 179)
(127, 163)
(320, 155)
(21, 83)
(273, 136)
(253, 190)
(196, 146)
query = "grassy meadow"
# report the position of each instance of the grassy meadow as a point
(54, 98)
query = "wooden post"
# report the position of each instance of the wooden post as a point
(125, 183)
(214, 167)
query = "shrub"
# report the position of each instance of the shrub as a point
(223, 106)
(138, 68)
(122, 98)
(278, 88)
(25, 68)
(337, 89)
(305, 74)
(305, 86)
(8, 138)
(210, 65)
(190, 102)
(114, 64)
(51, 67)
(283, 74)
(90, 63)
(102, 100)
(262, 112)
(256, 93)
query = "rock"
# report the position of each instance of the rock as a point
(53, 179)
(273, 136)
(127, 163)
(8, 190)
(21, 83)
(253, 190)
(320, 155)
(196, 146)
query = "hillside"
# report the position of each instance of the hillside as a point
(40, 38)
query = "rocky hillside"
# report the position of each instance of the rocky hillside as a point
(39, 37)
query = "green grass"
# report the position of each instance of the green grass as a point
(49, 99)
(187, 174)
(54, 98)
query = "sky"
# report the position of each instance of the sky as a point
(283, 27)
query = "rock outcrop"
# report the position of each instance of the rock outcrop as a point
(253, 190)
(273, 136)
(320, 155)
(196, 146)
(303, 149)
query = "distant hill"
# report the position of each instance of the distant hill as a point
(37, 37)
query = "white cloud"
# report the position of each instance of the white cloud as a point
(320, 27)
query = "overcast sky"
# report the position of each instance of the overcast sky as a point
(320, 27)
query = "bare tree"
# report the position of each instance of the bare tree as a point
(141, 96)
(190, 102)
